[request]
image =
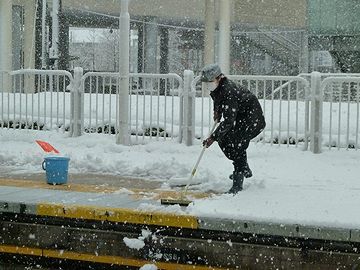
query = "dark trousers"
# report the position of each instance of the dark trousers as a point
(237, 153)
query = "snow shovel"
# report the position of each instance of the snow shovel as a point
(182, 201)
(47, 147)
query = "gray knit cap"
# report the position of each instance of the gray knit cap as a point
(210, 72)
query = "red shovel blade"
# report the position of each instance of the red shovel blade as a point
(47, 147)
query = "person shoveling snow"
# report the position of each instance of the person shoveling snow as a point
(242, 120)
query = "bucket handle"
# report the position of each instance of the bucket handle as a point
(43, 165)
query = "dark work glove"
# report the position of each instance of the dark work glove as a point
(208, 142)
(217, 116)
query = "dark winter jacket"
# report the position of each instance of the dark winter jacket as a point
(243, 118)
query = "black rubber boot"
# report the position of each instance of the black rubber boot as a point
(238, 179)
(246, 172)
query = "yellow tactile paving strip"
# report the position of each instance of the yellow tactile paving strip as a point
(113, 260)
(67, 187)
(120, 215)
(137, 193)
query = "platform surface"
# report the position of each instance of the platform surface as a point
(118, 197)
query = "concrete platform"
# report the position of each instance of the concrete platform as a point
(111, 213)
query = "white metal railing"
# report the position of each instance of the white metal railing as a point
(154, 104)
(35, 99)
(322, 109)
(340, 111)
(285, 102)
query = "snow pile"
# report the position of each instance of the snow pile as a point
(289, 185)
(134, 243)
(149, 267)
(137, 243)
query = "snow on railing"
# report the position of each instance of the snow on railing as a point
(35, 99)
(321, 108)
(340, 108)
(154, 104)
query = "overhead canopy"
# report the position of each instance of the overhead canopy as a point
(277, 13)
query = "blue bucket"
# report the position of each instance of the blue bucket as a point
(56, 170)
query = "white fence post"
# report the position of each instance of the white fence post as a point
(189, 109)
(181, 113)
(307, 118)
(77, 104)
(122, 134)
(316, 113)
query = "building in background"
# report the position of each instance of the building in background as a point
(267, 37)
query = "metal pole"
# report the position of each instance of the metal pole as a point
(5, 35)
(54, 50)
(5, 43)
(209, 32)
(122, 137)
(30, 8)
(304, 54)
(43, 35)
(316, 113)
(209, 38)
(189, 108)
(224, 35)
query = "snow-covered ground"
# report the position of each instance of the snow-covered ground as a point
(289, 185)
